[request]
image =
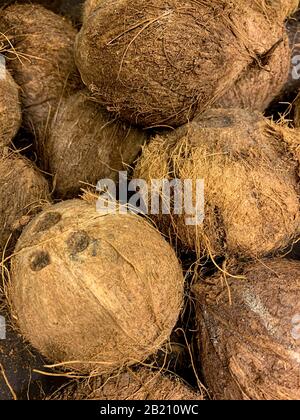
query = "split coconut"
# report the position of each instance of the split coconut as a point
(23, 192)
(41, 62)
(87, 290)
(87, 144)
(10, 109)
(249, 332)
(159, 63)
(143, 384)
(250, 180)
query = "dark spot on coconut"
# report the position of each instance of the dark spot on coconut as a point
(78, 242)
(221, 122)
(48, 221)
(96, 245)
(39, 260)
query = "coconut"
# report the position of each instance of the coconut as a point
(141, 385)
(87, 291)
(10, 110)
(297, 112)
(262, 81)
(251, 184)
(42, 65)
(23, 191)
(162, 62)
(249, 339)
(87, 144)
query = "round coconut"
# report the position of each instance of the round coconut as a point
(87, 144)
(251, 184)
(141, 385)
(10, 109)
(87, 291)
(23, 191)
(42, 65)
(159, 63)
(249, 332)
(262, 81)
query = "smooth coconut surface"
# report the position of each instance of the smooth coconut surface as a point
(87, 144)
(10, 109)
(162, 62)
(251, 183)
(41, 62)
(87, 290)
(143, 384)
(23, 192)
(249, 336)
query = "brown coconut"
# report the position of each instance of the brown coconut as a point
(141, 385)
(41, 62)
(10, 109)
(23, 192)
(262, 81)
(87, 144)
(249, 335)
(162, 62)
(87, 290)
(251, 183)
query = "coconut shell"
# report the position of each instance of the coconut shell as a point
(87, 291)
(181, 55)
(23, 192)
(10, 109)
(250, 342)
(87, 144)
(251, 183)
(262, 81)
(41, 62)
(141, 385)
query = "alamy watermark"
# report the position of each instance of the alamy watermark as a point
(296, 327)
(2, 67)
(2, 328)
(160, 196)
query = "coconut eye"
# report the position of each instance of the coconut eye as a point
(78, 242)
(48, 221)
(39, 260)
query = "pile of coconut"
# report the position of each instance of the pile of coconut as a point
(149, 200)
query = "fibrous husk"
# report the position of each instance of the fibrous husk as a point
(23, 192)
(251, 183)
(249, 340)
(162, 62)
(89, 7)
(262, 81)
(143, 384)
(87, 144)
(41, 62)
(87, 291)
(297, 115)
(10, 109)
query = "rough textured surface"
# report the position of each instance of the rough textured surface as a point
(89, 7)
(251, 348)
(251, 183)
(162, 62)
(141, 385)
(87, 290)
(23, 191)
(262, 81)
(10, 109)
(41, 62)
(87, 144)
